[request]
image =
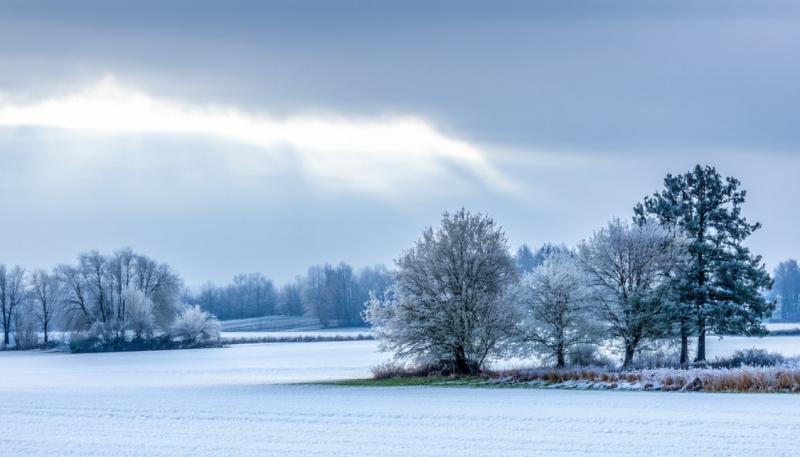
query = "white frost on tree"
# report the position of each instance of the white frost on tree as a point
(629, 268)
(194, 325)
(95, 291)
(448, 304)
(553, 308)
(139, 318)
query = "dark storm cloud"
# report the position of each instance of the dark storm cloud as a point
(615, 75)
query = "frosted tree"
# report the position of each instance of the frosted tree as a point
(629, 268)
(449, 303)
(96, 297)
(725, 280)
(139, 317)
(194, 325)
(553, 308)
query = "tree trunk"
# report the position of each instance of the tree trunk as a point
(684, 350)
(630, 348)
(462, 366)
(560, 362)
(684, 347)
(701, 342)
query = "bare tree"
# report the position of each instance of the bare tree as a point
(786, 291)
(553, 308)
(291, 301)
(628, 268)
(12, 294)
(47, 300)
(449, 302)
(316, 295)
(5, 305)
(16, 292)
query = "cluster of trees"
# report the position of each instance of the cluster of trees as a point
(334, 294)
(111, 298)
(678, 269)
(127, 295)
(249, 295)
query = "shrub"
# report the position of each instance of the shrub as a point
(587, 355)
(82, 344)
(194, 324)
(656, 359)
(749, 357)
(391, 370)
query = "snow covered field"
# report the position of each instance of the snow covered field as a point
(237, 401)
(789, 346)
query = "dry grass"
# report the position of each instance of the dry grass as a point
(745, 379)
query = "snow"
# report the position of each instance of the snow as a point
(238, 401)
(782, 326)
(789, 346)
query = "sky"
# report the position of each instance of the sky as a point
(231, 137)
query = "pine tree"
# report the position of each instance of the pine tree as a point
(724, 280)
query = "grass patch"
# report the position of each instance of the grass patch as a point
(439, 381)
(745, 379)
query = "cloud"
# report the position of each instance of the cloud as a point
(375, 154)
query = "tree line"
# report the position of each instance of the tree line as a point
(115, 297)
(677, 269)
(333, 294)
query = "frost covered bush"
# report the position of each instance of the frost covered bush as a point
(751, 358)
(391, 370)
(656, 359)
(194, 325)
(588, 355)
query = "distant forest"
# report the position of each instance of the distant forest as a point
(334, 294)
